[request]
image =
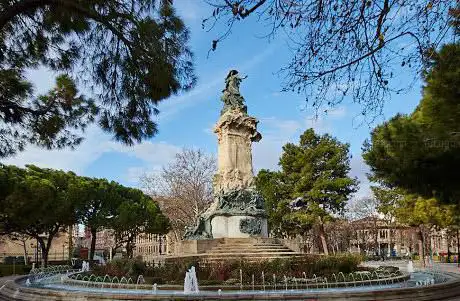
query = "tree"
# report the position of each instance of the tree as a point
(340, 232)
(131, 54)
(97, 201)
(183, 188)
(347, 48)
(365, 220)
(315, 175)
(386, 205)
(32, 195)
(20, 239)
(270, 185)
(413, 210)
(137, 214)
(420, 152)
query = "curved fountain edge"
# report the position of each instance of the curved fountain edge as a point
(84, 283)
(13, 290)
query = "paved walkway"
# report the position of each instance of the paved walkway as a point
(402, 265)
(4, 280)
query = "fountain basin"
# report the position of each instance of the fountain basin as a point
(450, 288)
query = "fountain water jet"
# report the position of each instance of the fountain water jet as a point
(190, 281)
(410, 267)
(263, 281)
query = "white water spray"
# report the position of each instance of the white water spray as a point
(190, 281)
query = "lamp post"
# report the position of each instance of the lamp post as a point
(63, 251)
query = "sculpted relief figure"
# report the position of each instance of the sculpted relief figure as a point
(232, 98)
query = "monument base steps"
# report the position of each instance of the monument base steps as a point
(249, 249)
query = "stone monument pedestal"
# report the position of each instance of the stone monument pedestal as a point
(229, 226)
(238, 210)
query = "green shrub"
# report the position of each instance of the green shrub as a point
(173, 272)
(14, 269)
(14, 260)
(122, 267)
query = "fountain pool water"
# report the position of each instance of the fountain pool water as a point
(72, 282)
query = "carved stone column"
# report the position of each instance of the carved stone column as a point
(239, 209)
(235, 133)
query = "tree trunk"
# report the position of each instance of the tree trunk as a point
(93, 244)
(376, 238)
(44, 249)
(390, 241)
(24, 248)
(458, 248)
(129, 248)
(421, 247)
(70, 243)
(448, 247)
(322, 236)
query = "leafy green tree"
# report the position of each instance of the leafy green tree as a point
(270, 185)
(137, 214)
(420, 152)
(131, 54)
(315, 175)
(413, 210)
(36, 204)
(97, 201)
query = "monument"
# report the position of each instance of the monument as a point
(238, 210)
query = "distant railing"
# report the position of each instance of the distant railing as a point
(52, 256)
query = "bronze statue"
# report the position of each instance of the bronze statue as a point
(232, 98)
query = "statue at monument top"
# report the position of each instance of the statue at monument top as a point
(231, 97)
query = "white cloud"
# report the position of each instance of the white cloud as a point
(77, 160)
(97, 143)
(359, 169)
(337, 113)
(153, 154)
(277, 132)
(190, 10)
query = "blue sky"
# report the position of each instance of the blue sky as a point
(186, 120)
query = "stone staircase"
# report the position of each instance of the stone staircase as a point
(250, 249)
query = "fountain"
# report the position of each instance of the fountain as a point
(191, 282)
(85, 266)
(378, 280)
(410, 267)
(263, 280)
(237, 212)
(140, 280)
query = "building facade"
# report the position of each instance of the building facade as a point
(373, 236)
(151, 247)
(26, 247)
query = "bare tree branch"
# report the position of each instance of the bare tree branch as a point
(348, 49)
